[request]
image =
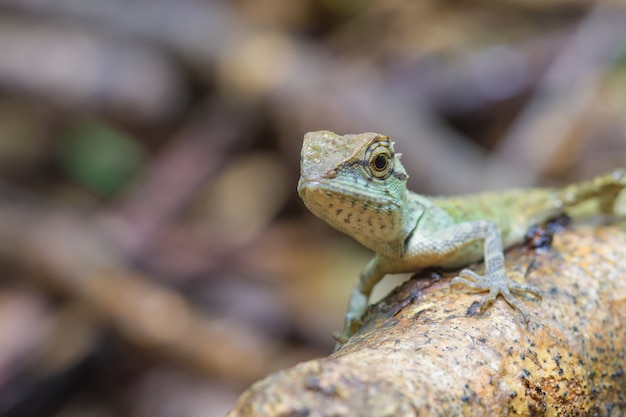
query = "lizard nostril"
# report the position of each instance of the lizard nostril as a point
(331, 174)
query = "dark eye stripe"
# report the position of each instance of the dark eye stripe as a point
(360, 162)
(399, 175)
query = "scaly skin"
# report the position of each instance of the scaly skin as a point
(357, 184)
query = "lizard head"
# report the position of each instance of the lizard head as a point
(356, 184)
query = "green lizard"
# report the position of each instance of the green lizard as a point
(357, 184)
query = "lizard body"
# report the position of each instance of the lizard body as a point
(357, 184)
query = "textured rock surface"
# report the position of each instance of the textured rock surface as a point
(424, 350)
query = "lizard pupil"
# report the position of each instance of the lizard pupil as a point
(380, 162)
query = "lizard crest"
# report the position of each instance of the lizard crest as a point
(357, 184)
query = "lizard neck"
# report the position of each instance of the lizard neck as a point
(386, 230)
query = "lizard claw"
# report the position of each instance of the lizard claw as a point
(497, 283)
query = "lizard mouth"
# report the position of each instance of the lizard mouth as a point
(307, 186)
(311, 190)
(312, 185)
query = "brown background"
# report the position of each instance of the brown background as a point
(155, 256)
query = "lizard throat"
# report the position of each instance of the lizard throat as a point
(371, 220)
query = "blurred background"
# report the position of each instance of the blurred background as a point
(155, 258)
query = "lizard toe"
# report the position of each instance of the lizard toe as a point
(530, 289)
(488, 299)
(471, 279)
(516, 304)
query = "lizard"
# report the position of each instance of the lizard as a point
(357, 184)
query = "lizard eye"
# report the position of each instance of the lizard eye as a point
(380, 162)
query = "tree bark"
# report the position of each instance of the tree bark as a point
(425, 350)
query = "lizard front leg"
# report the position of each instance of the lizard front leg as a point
(359, 299)
(495, 280)
(431, 249)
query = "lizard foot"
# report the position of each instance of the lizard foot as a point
(340, 340)
(497, 283)
(350, 327)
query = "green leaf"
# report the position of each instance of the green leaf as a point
(100, 157)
